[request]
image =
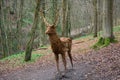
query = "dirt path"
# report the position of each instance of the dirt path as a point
(92, 65)
(78, 73)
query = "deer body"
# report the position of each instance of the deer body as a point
(56, 44)
(59, 45)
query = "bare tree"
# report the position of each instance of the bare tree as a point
(95, 17)
(42, 26)
(30, 42)
(19, 23)
(108, 36)
(4, 37)
(99, 19)
(108, 19)
(68, 19)
(64, 6)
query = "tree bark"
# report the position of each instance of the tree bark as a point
(99, 15)
(35, 24)
(95, 17)
(43, 37)
(64, 18)
(4, 37)
(108, 36)
(54, 10)
(108, 19)
(19, 24)
(68, 20)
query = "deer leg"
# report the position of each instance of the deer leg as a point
(57, 62)
(64, 60)
(70, 56)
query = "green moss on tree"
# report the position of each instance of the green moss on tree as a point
(107, 41)
(103, 42)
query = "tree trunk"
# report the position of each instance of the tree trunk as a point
(95, 17)
(4, 37)
(54, 10)
(9, 29)
(107, 37)
(19, 24)
(64, 18)
(42, 27)
(68, 20)
(99, 9)
(35, 24)
(108, 19)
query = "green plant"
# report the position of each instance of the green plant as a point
(116, 28)
(18, 59)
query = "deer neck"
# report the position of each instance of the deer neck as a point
(54, 38)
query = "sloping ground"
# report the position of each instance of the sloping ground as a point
(103, 64)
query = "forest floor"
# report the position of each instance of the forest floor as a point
(89, 64)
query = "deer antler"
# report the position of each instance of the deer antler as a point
(56, 18)
(55, 21)
(44, 19)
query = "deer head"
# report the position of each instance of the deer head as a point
(51, 28)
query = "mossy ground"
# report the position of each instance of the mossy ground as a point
(18, 59)
(103, 42)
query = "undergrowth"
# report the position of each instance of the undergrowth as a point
(103, 42)
(18, 59)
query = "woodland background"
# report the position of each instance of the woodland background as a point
(77, 18)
